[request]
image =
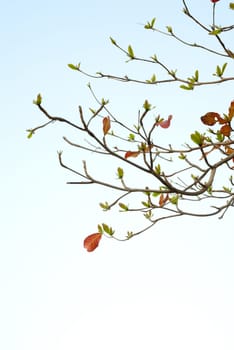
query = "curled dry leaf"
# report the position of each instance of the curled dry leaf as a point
(106, 125)
(210, 118)
(91, 242)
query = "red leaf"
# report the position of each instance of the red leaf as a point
(106, 125)
(91, 242)
(131, 154)
(165, 123)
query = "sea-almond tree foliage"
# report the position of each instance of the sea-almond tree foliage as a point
(181, 177)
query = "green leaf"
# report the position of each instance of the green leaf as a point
(100, 230)
(173, 73)
(147, 25)
(156, 194)
(147, 105)
(72, 66)
(153, 22)
(129, 234)
(197, 138)
(187, 87)
(130, 52)
(220, 137)
(218, 71)
(174, 200)
(148, 215)
(226, 189)
(231, 5)
(30, 134)
(123, 206)
(131, 137)
(196, 75)
(224, 67)
(104, 102)
(105, 206)
(120, 173)
(108, 229)
(153, 78)
(182, 156)
(146, 204)
(113, 41)
(154, 58)
(150, 25)
(38, 100)
(92, 110)
(169, 29)
(216, 31)
(158, 169)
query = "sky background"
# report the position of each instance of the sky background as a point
(171, 287)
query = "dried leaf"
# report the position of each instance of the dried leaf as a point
(131, 154)
(91, 242)
(229, 150)
(106, 125)
(162, 199)
(231, 110)
(210, 118)
(226, 130)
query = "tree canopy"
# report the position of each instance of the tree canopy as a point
(176, 180)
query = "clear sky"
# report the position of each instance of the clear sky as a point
(172, 287)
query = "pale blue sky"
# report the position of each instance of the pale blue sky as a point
(172, 287)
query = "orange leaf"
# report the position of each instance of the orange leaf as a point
(106, 125)
(226, 130)
(210, 118)
(229, 150)
(162, 199)
(131, 154)
(91, 242)
(231, 110)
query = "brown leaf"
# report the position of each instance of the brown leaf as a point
(210, 118)
(221, 120)
(162, 199)
(226, 130)
(106, 125)
(231, 111)
(229, 150)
